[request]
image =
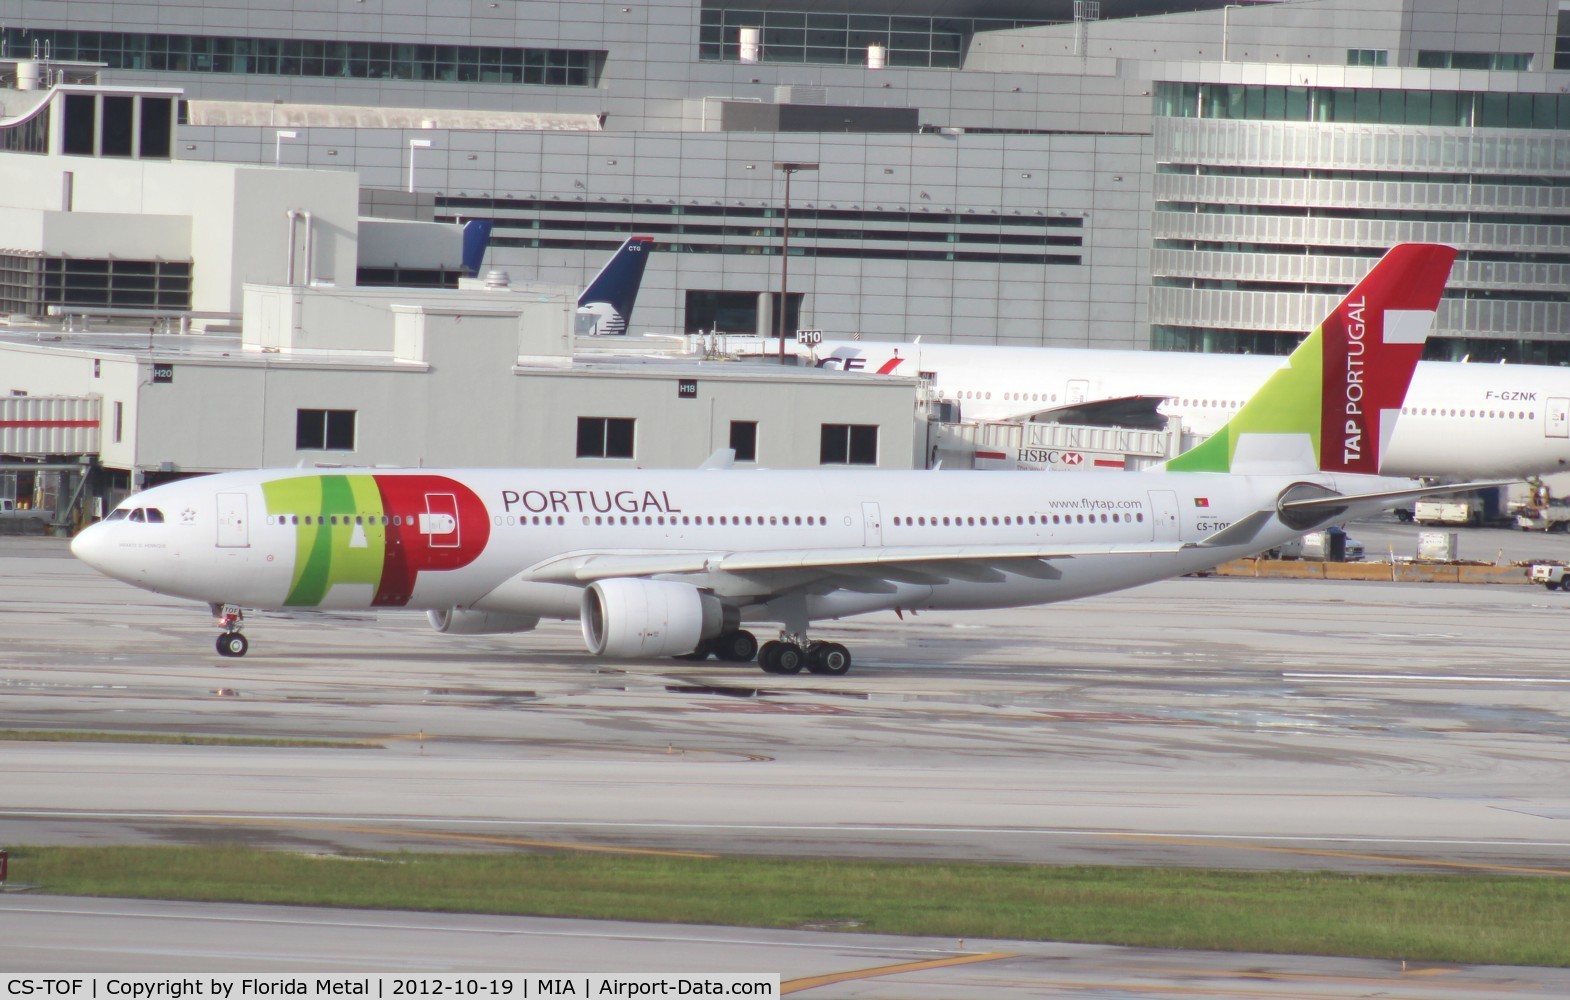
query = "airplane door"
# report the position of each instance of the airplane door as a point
(233, 531)
(1557, 423)
(1078, 389)
(872, 523)
(439, 522)
(1164, 516)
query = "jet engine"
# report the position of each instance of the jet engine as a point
(633, 619)
(456, 621)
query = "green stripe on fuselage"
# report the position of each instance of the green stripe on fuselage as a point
(326, 554)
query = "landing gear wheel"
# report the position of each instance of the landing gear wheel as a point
(735, 647)
(232, 644)
(789, 659)
(699, 654)
(829, 658)
(767, 654)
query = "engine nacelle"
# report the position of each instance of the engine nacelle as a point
(635, 619)
(456, 621)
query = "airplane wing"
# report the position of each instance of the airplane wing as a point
(1137, 412)
(772, 571)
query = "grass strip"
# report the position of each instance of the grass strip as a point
(174, 739)
(1436, 918)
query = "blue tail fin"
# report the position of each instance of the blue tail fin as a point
(607, 303)
(476, 240)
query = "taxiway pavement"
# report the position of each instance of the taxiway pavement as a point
(1204, 721)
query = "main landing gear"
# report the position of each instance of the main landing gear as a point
(732, 647)
(232, 641)
(791, 653)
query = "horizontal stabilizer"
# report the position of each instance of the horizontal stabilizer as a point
(1389, 498)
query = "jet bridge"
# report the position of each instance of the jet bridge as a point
(48, 449)
(1023, 445)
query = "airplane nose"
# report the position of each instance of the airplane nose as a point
(89, 545)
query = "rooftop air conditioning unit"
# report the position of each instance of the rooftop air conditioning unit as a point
(800, 95)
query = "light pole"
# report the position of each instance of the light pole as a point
(415, 144)
(278, 138)
(787, 169)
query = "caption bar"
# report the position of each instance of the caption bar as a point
(577, 985)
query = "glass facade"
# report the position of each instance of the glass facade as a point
(29, 136)
(30, 284)
(826, 233)
(311, 58)
(1368, 57)
(1463, 109)
(796, 36)
(1431, 59)
(1476, 349)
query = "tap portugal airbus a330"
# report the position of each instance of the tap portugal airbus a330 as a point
(672, 563)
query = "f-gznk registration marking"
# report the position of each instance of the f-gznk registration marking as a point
(1426, 677)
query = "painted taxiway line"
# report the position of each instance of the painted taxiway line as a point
(813, 982)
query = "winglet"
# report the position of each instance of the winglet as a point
(1334, 406)
(723, 458)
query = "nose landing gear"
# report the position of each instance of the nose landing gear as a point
(232, 641)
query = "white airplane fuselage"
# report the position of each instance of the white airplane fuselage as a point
(1461, 420)
(485, 539)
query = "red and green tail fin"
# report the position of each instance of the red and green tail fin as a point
(1334, 405)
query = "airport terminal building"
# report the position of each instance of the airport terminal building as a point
(1124, 174)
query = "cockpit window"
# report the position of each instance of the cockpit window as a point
(155, 516)
(138, 515)
(118, 515)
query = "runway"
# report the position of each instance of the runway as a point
(1203, 721)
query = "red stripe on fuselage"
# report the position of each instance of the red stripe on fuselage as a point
(408, 550)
